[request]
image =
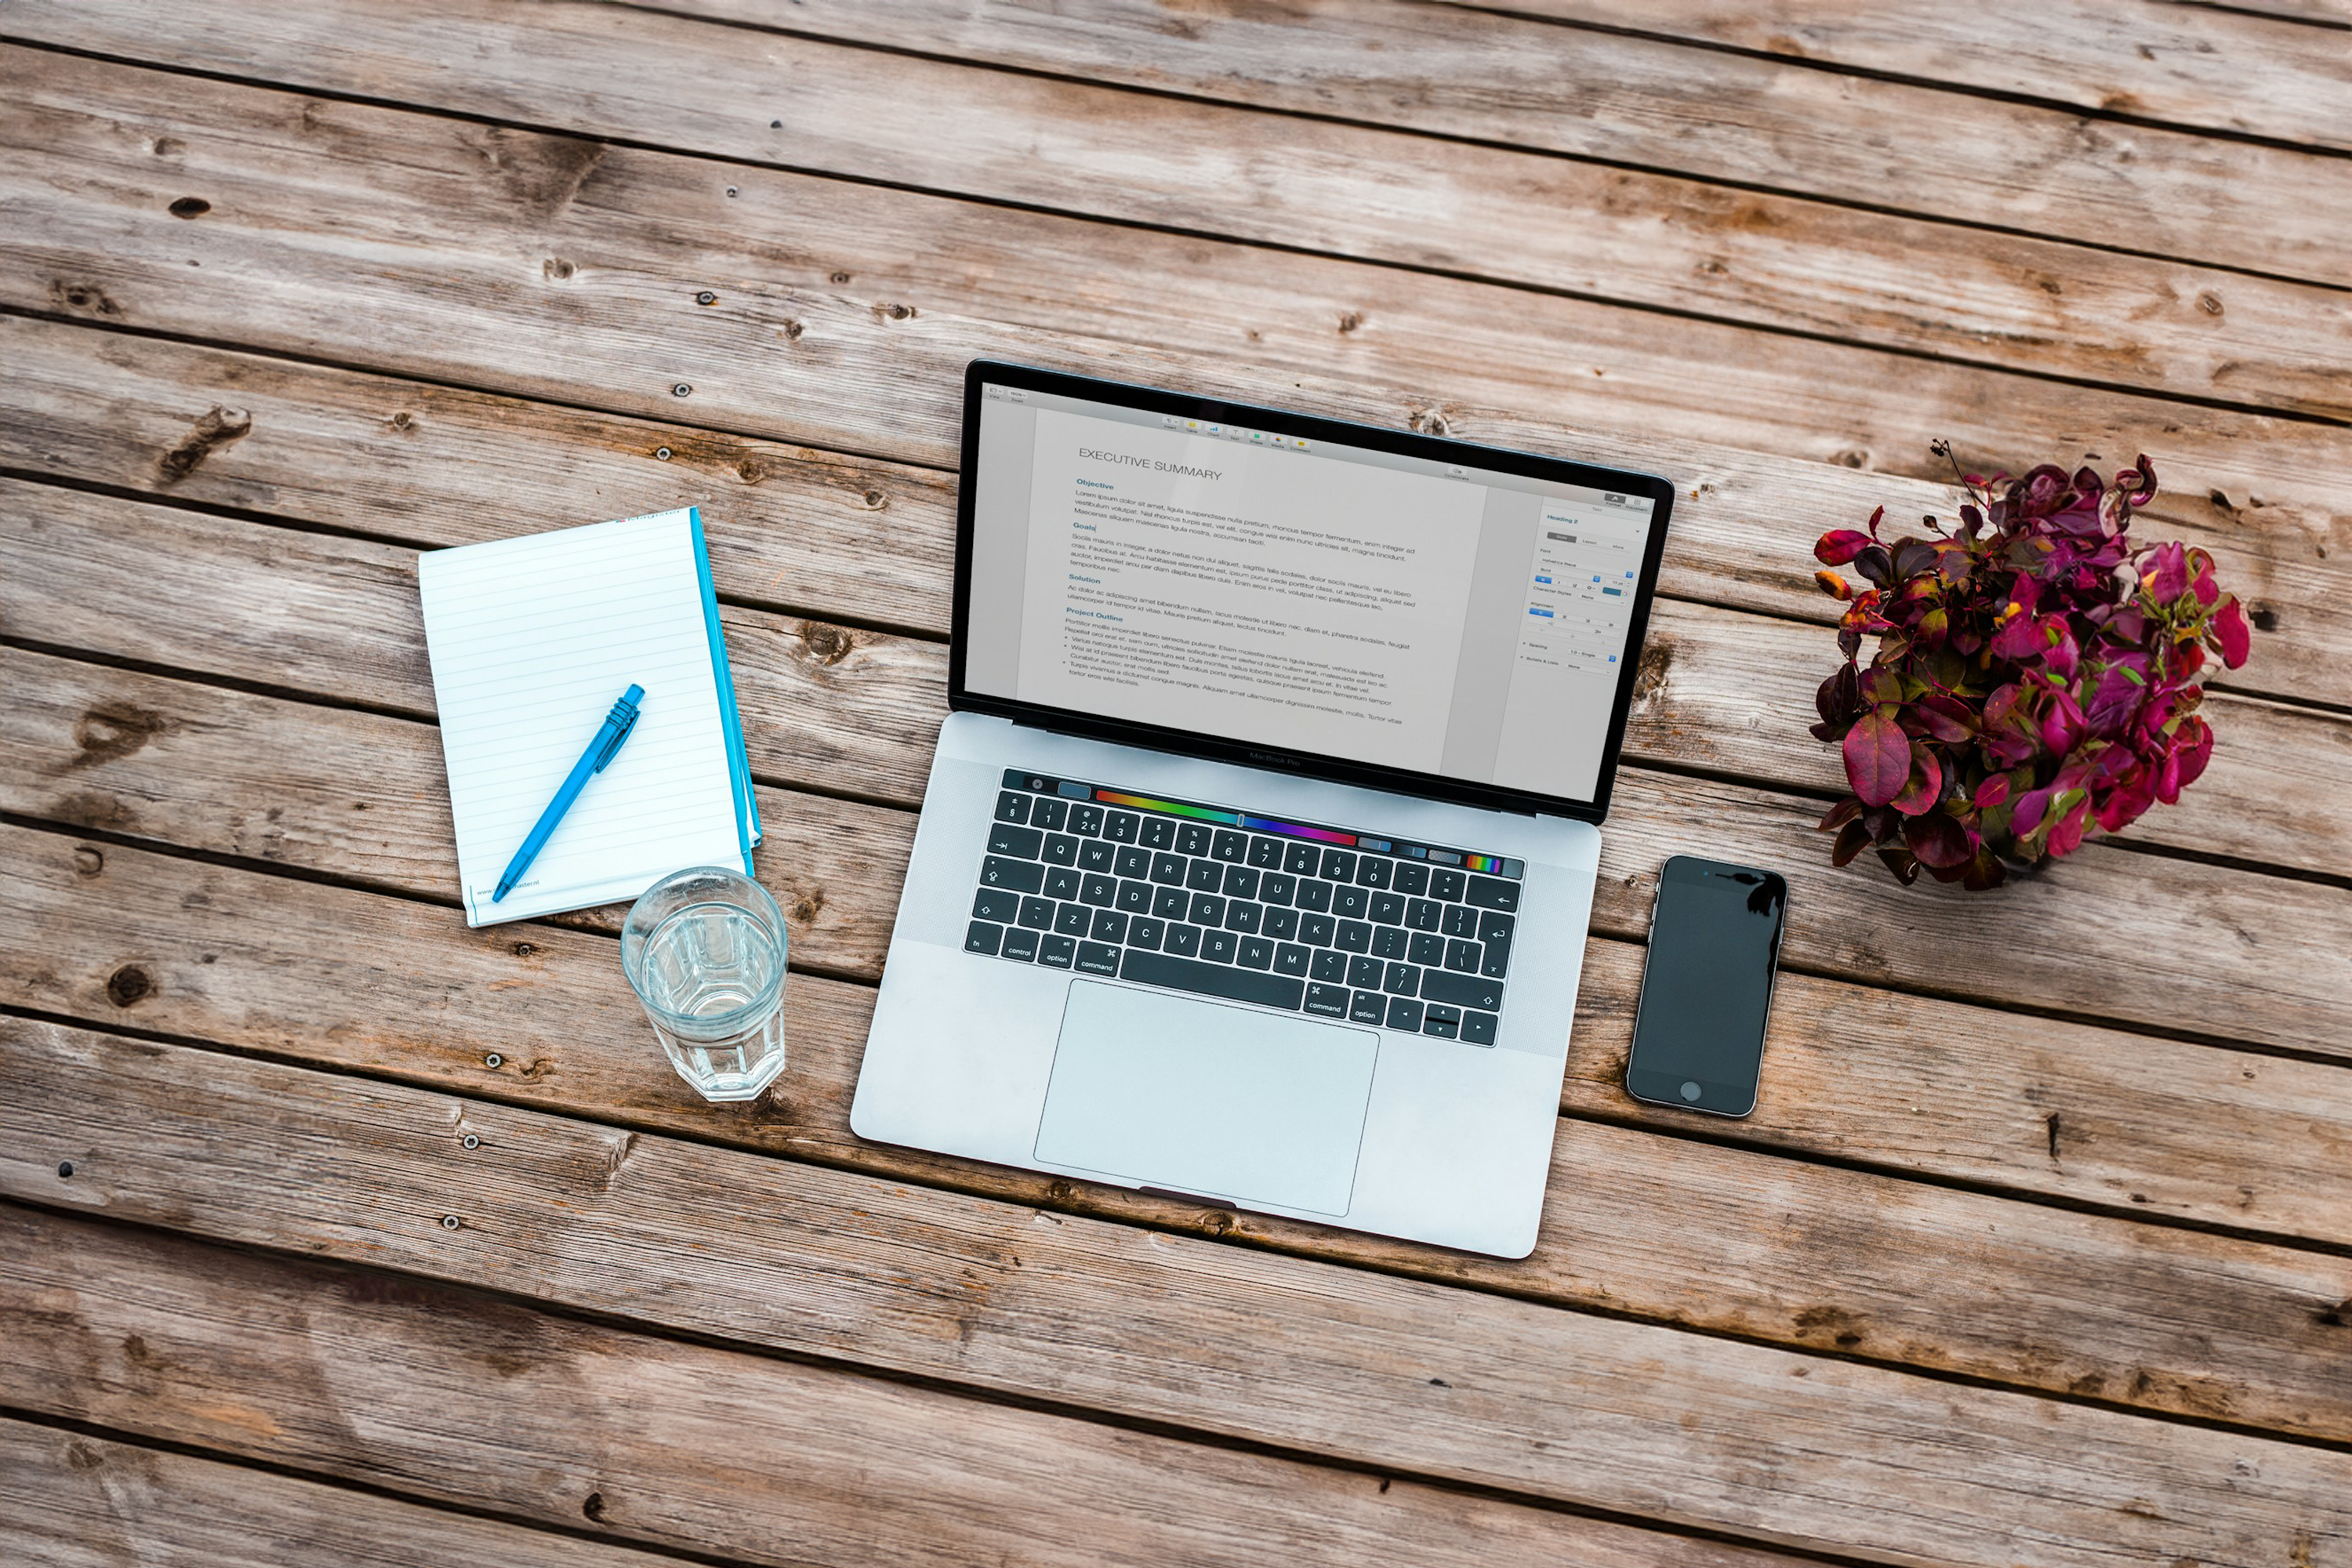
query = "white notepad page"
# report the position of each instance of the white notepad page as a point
(532, 640)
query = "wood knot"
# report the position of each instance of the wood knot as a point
(793, 330)
(2265, 619)
(1216, 1222)
(1430, 421)
(893, 312)
(403, 420)
(2210, 303)
(189, 206)
(80, 1456)
(1350, 320)
(523, 949)
(1853, 458)
(88, 862)
(824, 644)
(1657, 661)
(749, 471)
(128, 984)
(1059, 1191)
(87, 297)
(840, 278)
(595, 1507)
(217, 427)
(557, 269)
(112, 731)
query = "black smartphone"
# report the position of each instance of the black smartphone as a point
(1715, 939)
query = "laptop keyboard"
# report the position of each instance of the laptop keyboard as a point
(1246, 908)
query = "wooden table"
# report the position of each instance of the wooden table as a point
(335, 1231)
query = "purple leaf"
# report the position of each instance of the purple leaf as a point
(1924, 786)
(1877, 757)
(1939, 841)
(2232, 637)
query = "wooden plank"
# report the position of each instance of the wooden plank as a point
(2186, 66)
(593, 287)
(481, 1402)
(1385, 1372)
(80, 1501)
(1774, 262)
(1647, 103)
(1903, 1082)
(1763, 1248)
(868, 724)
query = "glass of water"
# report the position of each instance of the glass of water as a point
(704, 951)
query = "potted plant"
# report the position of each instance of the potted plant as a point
(2034, 678)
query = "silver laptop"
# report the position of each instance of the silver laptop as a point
(1257, 857)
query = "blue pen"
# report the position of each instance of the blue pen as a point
(617, 725)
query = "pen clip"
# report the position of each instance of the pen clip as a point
(625, 717)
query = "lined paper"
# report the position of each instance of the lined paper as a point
(532, 641)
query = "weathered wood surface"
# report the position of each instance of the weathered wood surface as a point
(2181, 945)
(1649, 103)
(580, 264)
(1803, 1254)
(2137, 1123)
(1378, 1370)
(1682, 245)
(461, 1398)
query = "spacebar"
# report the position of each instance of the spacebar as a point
(1213, 979)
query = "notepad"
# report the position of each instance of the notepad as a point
(531, 640)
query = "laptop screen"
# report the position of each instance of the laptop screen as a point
(1242, 578)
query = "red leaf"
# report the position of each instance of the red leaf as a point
(1992, 792)
(1938, 840)
(1852, 840)
(1923, 786)
(1839, 546)
(2230, 634)
(1877, 757)
(2066, 836)
(1841, 813)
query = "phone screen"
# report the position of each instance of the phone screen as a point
(1698, 1038)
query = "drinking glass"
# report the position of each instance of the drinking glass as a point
(704, 951)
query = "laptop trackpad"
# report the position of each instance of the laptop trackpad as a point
(1224, 1102)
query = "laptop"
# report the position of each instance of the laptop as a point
(1256, 859)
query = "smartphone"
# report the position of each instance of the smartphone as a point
(1715, 940)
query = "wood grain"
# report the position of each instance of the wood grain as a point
(593, 285)
(2136, 1123)
(1773, 262)
(1763, 1248)
(1389, 1374)
(453, 1395)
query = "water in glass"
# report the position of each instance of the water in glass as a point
(705, 951)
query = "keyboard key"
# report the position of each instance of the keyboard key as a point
(1281, 924)
(1401, 980)
(1315, 895)
(999, 904)
(1230, 846)
(1074, 919)
(1167, 870)
(1411, 879)
(1388, 909)
(1496, 961)
(1441, 1020)
(1405, 1013)
(1372, 871)
(1364, 973)
(1426, 948)
(1479, 1028)
(1329, 964)
(1049, 813)
(1241, 882)
(1338, 866)
(1218, 946)
(1204, 876)
(1183, 940)
(1024, 842)
(1445, 884)
(1097, 958)
(1094, 855)
(1020, 945)
(1109, 926)
(1301, 859)
(1021, 875)
(1390, 941)
(1421, 914)
(1134, 861)
(1331, 1001)
(1277, 886)
(1266, 854)
(1171, 903)
(1368, 1007)
(1243, 916)
(1493, 893)
(985, 936)
(1462, 990)
(1495, 927)
(1208, 909)
(1135, 898)
(1319, 931)
(1142, 931)
(1037, 914)
(1462, 957)
(1012, 808)
(1159, 833)
(1100, 892)
(1192, 839)
(1350, 903)
(1056, 950)
(1061, 849)
(1063, 882)
(1085, 821)
(1256, 952)
(1460, 920)
(1211, 980)
(1119, 827)
(1355, 936)
(1289, 958)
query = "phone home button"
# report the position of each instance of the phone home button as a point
(1690, 1090)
